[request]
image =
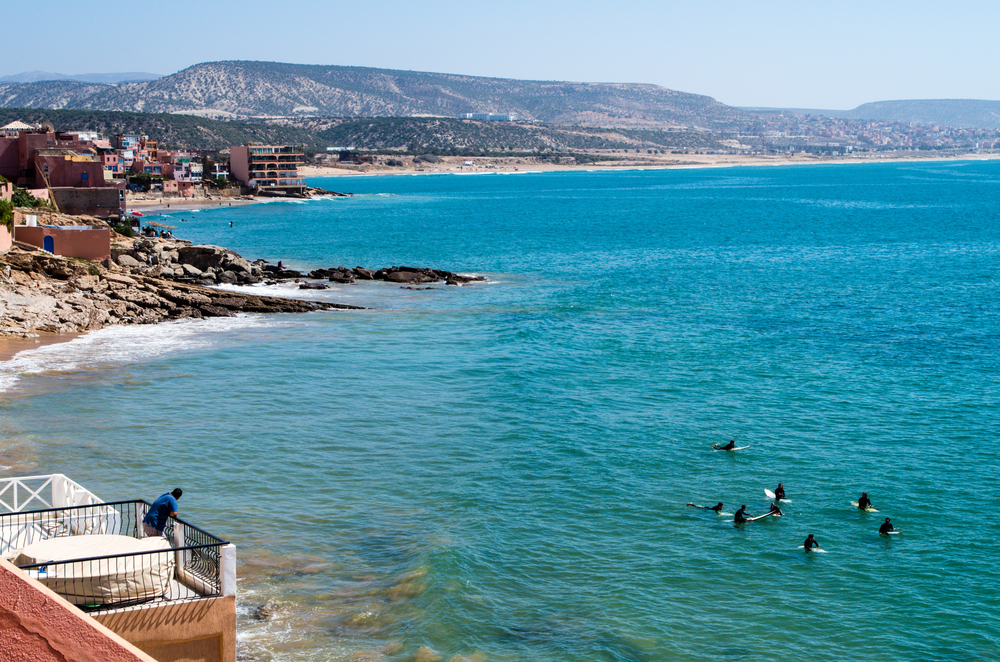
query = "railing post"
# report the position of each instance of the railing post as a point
(228, 569)
(59, 491)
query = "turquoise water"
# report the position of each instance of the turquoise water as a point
(500, 471)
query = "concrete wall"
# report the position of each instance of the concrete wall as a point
(200, 631)
(86, 244)
(5, 239)
(102, 202)
(36, 625)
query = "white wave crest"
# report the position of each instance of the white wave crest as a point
(123, 345)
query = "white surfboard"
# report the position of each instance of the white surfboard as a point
(867, 510)
(770, 495)
(738, 448)
(814, 549)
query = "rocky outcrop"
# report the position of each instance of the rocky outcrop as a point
(51, 294)
(402, 275)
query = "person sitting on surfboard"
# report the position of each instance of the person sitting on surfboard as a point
(728, 447)
(779, 492)
(717, 507)
(864, 501)
(885, 528)
(775, 510)
(741, 514)
(810, 543)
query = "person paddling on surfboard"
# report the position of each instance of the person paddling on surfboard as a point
(810, 543)
(885, 528)
(728, 447)
(741, 515)
(775, 510)
(864, 502)
(779, 492)
(717, 507)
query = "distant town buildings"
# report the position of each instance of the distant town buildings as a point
(490, 117)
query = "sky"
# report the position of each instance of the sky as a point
(804, 54)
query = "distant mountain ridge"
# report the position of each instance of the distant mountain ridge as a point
(958, 113)
(37, 76)
(273, 89)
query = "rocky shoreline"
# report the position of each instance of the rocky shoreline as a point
(156, 280)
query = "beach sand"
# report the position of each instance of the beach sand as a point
(454, 164)
(9, 347)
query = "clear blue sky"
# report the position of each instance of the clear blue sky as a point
(802, 54)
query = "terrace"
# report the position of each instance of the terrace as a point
(95, 555)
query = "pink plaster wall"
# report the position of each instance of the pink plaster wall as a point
(5, 239)
(36, 625)
(90, 244)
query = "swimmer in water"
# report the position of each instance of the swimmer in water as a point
(810, 543)
(717, 507)
(864, 501)
(775, 510)
(885, 528)
(728, 447)
(779, 492)
(741, 515)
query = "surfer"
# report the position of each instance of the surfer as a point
(810, 543)
(775, 510)
(728, 447)
(885, 528)
(864, 502)
(741, 515)
(779, 492)
(717, 507)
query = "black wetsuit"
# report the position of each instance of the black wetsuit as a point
(779, 493)
(740, 516)
(885, 528)
(775, 510)
(716, 508)
(810, 543)
(728, 447)
(864, 502)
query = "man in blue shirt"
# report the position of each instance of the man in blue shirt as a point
(163, 508)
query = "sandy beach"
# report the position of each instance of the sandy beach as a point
(457, 164)
(9, 347)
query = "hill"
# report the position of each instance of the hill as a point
(958, 113)
(961, 113)
(172, 131)
(271, 89)
(415, 135)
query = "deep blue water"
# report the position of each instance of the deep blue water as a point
(501, 470)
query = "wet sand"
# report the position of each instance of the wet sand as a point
(9, 347)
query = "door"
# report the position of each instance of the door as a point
(49, 245)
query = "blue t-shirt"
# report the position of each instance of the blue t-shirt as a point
(160, 511)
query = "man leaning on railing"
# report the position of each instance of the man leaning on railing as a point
(162, 509)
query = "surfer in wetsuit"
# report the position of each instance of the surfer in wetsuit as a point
(864, 501)
(741, 515)
(775, 510)
(885, 528)
(810, 543)
(728, 447)
(717, 507)
(779, 492)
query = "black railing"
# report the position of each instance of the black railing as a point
(184, 564)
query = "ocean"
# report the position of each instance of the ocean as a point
(500, 471)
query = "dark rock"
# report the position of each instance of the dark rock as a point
(313, 286)
(286, 274)
(364, 274)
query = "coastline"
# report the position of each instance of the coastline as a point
(11, 346)
(510, 165)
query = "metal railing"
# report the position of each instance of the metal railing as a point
(189, 565)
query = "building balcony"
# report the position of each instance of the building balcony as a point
(95, 554)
